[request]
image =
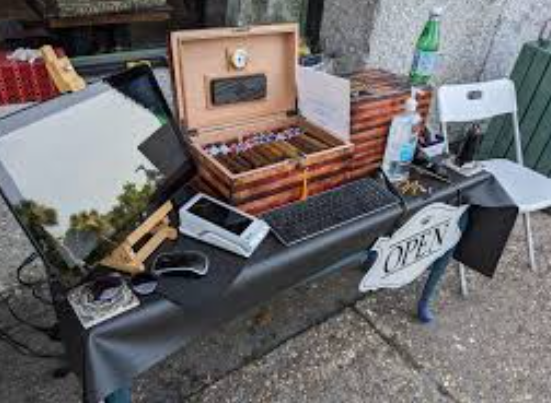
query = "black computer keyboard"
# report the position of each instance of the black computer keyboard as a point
(320, 213)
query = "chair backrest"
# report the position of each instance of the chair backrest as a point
(478, 101)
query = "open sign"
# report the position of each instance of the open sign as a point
(426, 237)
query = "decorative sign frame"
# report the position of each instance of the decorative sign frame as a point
(413, 248)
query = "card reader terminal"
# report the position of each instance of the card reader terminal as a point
(211, 221)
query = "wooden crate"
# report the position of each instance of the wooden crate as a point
(203, 57)
(377, 97)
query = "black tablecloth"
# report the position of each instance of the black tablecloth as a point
(110, 355)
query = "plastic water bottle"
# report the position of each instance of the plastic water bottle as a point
(426, 50)
(401, 143)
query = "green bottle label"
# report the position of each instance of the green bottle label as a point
(424, 63)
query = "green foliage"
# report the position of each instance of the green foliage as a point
(90, 221)
(35, 214)
(132, 203)
(92, 226)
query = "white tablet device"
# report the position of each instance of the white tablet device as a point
(221, 225)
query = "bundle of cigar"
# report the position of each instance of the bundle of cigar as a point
(264, 149)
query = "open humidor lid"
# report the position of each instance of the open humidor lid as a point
(227, 76)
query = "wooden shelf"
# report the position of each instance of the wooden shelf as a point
(156, 15)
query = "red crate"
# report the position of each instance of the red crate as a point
(22, 82)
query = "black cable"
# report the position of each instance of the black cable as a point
(41, 298)
(396, 192)
(38, 328)
(33, 286)
(21, 347)
(26, 262)
(24, 349)
(15, 344)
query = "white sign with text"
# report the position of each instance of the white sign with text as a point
(413, 248)
(324, 100)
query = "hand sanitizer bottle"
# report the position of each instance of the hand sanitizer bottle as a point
(402, 142)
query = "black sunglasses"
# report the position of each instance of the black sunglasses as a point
(190, 265)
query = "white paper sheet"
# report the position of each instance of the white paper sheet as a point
(324, 99)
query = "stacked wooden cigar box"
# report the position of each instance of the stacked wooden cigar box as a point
(377, 97)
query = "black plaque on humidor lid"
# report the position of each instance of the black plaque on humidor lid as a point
(233, 90)
(84, 170)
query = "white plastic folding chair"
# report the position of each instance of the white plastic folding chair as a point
(530, 190)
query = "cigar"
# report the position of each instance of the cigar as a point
(320, 146)
(254, 158)
(251, 160)
(263, 150)
(282, 150)
(229, 163)
(243, 162)
(288, 149)
(328, 141)
(265, 160)
(302, 145)
(281, 154)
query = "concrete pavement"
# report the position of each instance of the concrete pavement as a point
(323, 342)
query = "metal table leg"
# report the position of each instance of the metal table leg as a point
(123, 395)
(437, 271)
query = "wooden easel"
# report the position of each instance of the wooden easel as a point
(157, 227)
(61, 71)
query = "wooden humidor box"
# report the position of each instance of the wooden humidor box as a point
(222, 104)
(377, 97)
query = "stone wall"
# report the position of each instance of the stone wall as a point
(347, 26)
(520, 21)
(467, 28)
(480, 38)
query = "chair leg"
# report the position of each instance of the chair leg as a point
(463, 281)
(530, 241)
